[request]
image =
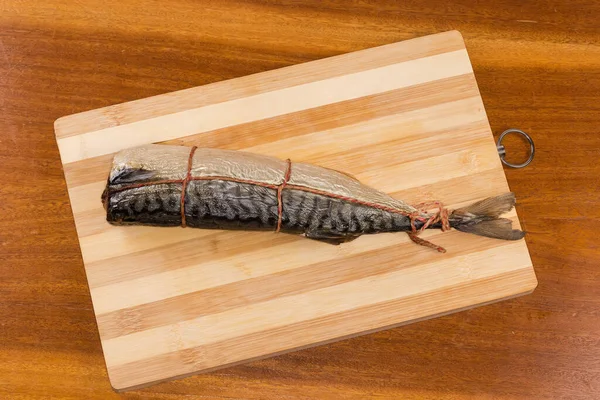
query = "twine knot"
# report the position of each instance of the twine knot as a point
(442, 215)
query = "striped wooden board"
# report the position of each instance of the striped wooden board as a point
(406, 118)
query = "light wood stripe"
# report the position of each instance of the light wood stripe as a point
(265, 105)
(284, 283)
(222, 243)
(331, 300)
(220, 92)
(384, 315)
(89, 196)
(330, 117)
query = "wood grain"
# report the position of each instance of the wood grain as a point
(147, 336)
(537, 65)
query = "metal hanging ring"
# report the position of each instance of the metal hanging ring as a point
(502, 150)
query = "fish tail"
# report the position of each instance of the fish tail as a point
(483, 218)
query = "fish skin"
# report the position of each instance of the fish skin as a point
(235, 190)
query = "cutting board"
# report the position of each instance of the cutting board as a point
(406, 118)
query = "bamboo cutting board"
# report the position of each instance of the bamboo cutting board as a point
(405, 118)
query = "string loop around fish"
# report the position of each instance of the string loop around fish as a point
(184, 183)
(286, 178)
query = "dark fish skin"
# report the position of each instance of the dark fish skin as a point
(219, 204)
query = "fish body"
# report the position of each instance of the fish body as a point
(163, 185)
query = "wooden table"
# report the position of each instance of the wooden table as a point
(538, 68)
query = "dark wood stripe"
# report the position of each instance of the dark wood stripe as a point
(264, 82)
(278, 285)
(354, 111)
(323, 330)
